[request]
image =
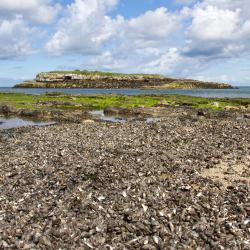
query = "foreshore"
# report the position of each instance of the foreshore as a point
(179, 183)
(77, 108)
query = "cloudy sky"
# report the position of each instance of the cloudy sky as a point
(205, 39)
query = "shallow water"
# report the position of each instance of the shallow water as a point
(100, 114)
(153, 119)
(240, 92)
(7, 123)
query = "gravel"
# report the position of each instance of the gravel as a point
(135, 185)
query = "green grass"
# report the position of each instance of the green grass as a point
(90, 177)
(91, 102)
(101, 73)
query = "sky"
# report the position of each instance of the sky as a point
(200, 39)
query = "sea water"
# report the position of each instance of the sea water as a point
(239, 92)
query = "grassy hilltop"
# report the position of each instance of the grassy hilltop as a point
(105, 74)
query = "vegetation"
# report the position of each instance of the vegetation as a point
(105, 74)
(57, 101)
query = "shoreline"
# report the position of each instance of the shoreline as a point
(240, 92)
(163, 87)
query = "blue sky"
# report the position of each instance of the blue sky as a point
(205, 39)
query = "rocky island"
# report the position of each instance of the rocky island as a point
(107, 80)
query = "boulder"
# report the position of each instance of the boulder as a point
(201, 113)
(31, 113)
(114, 111)
(7, 109)
(247, 116)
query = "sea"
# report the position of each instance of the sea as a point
(239, 92)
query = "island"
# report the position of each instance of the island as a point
(107, 80)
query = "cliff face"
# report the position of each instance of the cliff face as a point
(92, 79)
(57, 76)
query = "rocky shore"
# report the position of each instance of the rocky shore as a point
(77, 108)
(107, 80)
(179, 183)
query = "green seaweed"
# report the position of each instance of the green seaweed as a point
(91, 102)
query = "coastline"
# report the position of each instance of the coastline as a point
(236, 92)
(116, 85)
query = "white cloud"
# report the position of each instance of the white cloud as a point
(85, 27)
(109, 61)
(212, 23)
(130, 43)
(216, 32)
(39, 11)
(18, 23)
(14, 38)
(163, 62)
(153, 25)
(148, 32)
(242, 5)
(219, 78)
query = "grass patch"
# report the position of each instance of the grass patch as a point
(90, 177)
(104, 74)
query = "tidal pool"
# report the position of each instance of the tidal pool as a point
(14, 122)
(100, 114)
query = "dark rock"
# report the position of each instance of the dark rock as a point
(121, 111)
(201, 113)
(30, 113)
(7, 109)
